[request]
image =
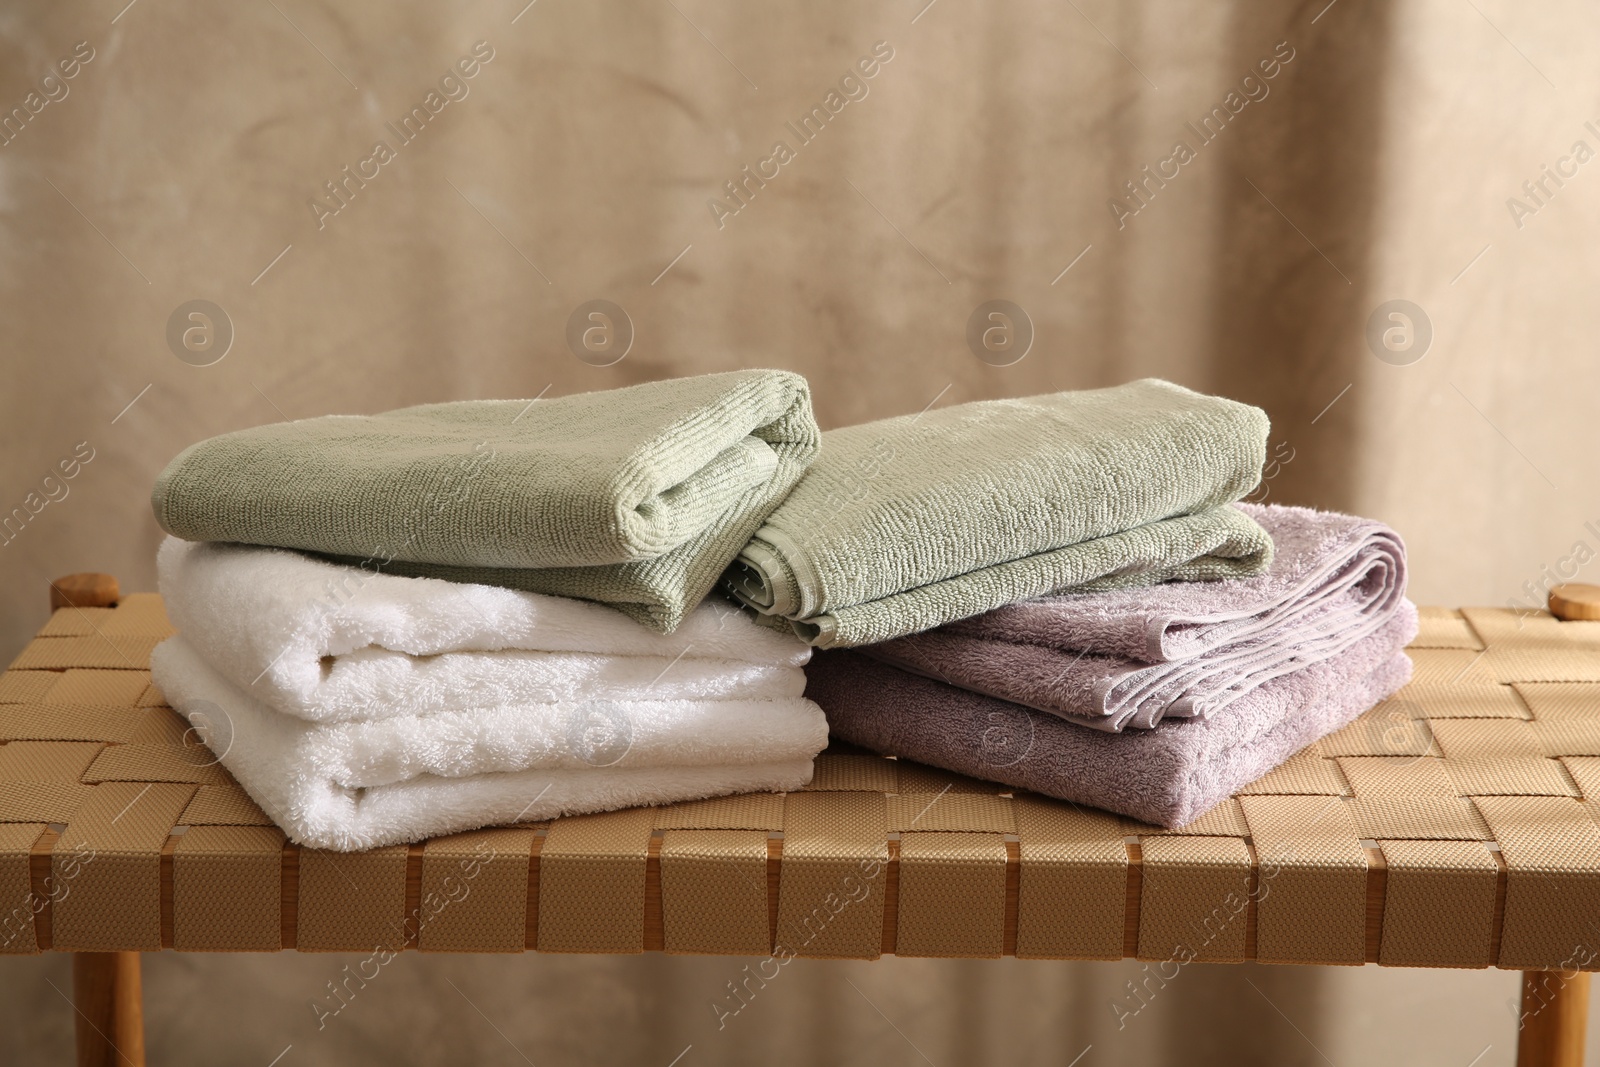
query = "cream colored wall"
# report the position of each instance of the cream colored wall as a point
(977, 167)
(1483, 454)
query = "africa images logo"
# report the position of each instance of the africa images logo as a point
(1252, 87)
(852, 88)
(453, 86)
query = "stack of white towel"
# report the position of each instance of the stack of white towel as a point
(362, 709)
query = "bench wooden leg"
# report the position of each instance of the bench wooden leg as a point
(110, 1020)
(1555, 1010)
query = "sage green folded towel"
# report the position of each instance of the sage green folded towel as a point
(637, 497)
(913, 522)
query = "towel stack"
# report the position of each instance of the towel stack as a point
(416, 707)
(1188, 691)
(634, 497)
(1063, 594)
(403, 625)
(362, 707)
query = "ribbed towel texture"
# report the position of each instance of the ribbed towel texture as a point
(1129, 657)
(361, 710)
(912, 522)
(638, 497)
(1169, 775)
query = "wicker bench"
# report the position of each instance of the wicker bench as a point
(1453, 826)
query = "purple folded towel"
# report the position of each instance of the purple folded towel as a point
(1169, 775)
(1130, 657)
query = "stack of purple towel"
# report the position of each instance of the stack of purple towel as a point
(1156, 702)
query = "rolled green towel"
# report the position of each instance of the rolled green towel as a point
(913, 522)
(637, 497)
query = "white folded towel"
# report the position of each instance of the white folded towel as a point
(332, 643)
(357, 785)
(362, 709)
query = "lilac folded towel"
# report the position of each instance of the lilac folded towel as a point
(1169, 775)
(1131, 657)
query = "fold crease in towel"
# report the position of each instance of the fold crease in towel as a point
(1127, 658)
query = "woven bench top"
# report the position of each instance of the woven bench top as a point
(1452, 826)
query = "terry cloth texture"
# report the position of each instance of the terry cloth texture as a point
(358, 785)
(912, 522)
(1169, 775)
(637, 497)
(1128, 657)
(335, 643)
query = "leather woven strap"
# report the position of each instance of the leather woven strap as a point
(474, 892)
(1071, 894)
(1439, 905)
(1194, 899)
(835, 849)
(1311, 890)
(592, 882)
(714, 892)
(17, 900)
(109, 859)
(226, 885)
(952, 894)
(351, 901)
(1552, 853)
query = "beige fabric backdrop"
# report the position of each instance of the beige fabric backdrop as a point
(179, 162)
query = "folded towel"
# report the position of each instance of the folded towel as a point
(1169, 775)
(358, 785)
(1129, 657)
(335, 643)
(637, 497)
(908, 523)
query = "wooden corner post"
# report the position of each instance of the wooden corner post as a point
(1554, 1017)
(1555, 1004)
(109, 1016)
